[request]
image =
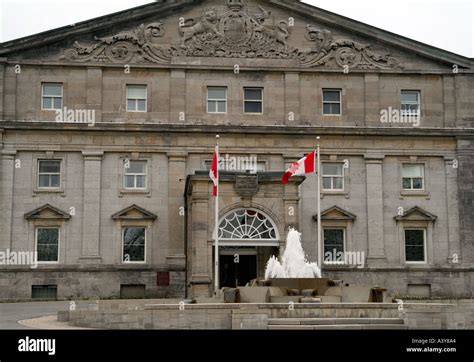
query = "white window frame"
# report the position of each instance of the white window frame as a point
(36, 243)
(137, 99)
(333, 177)
(215, 100)
(125, 174)
(50, 174)
(43, 96)
(332, 102)
(404, 113)
(344, 235)
(425, 249)
(261, 89)
(144, 245)
(411, 178)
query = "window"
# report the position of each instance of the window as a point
(49, 174)
(47, 244)
(52, 96)
(410, 103)
(134, 175)
(216, 100)
(136, 98)
(44, 292)
(333, 176)
(413, 176)
(133, 244)
(253, 100)
(332, 102)
(415, 245)
(334, 240)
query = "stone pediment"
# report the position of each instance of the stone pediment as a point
(336, 213)
(47, 212)
(416, 214)
(169, 32)
(134, 212)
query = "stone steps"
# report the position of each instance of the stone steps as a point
(335, 323)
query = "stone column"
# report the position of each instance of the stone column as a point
(200, 223)
(372, 99)
(9, 93)
(177, 95)
(375, 211)
(449, 101)
(94, 91)
(2, 86)
(292, 96)
(452, 211)
(7, 170)
(91, 207)
(176, 206)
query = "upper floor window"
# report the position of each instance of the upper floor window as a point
(216, 100)
(52, 96)
(410, 103)
(49, 174)
(333, 176)
(136, 98)
(415, 245)
(47, 244)
(134, 175)
(413, 176)
(332, 102)
(253, 100)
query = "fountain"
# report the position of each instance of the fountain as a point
(293, 261)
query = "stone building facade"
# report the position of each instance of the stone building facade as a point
(108, 128)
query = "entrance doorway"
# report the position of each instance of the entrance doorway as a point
(237, 271)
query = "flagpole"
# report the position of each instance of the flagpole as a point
(320, 249)
(216, 226)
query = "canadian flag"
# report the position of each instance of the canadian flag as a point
(214, 173)
(301, 167)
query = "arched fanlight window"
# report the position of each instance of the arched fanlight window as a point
(247, 226)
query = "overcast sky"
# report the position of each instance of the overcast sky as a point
(447, 24)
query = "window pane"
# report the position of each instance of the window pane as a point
(412, 170)
(55, 181)
(414, 245)
(327, 183)
(47, 243)
(407, 183)
(410, 97)
(326, 108)
(216, 93)
(136, 91)
(331, 96)
(136, 167)
(253, 107)
(131, 105)
(52, 89)
(333, 239)
(49, 166)
(212, 107)
(129, 182)
(253, 94)
(47, 103)
(58, 102)
(134, 244)
(338, 183)
(140, 182)
(333, 169)
(141, 105)
(43, 181)
(222, 107)
(418, 183)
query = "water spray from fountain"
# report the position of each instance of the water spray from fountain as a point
(293, 261)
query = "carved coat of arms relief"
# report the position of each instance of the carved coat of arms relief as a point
(232, 32)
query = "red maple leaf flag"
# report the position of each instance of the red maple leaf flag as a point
(302, 167)
(214, 173)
